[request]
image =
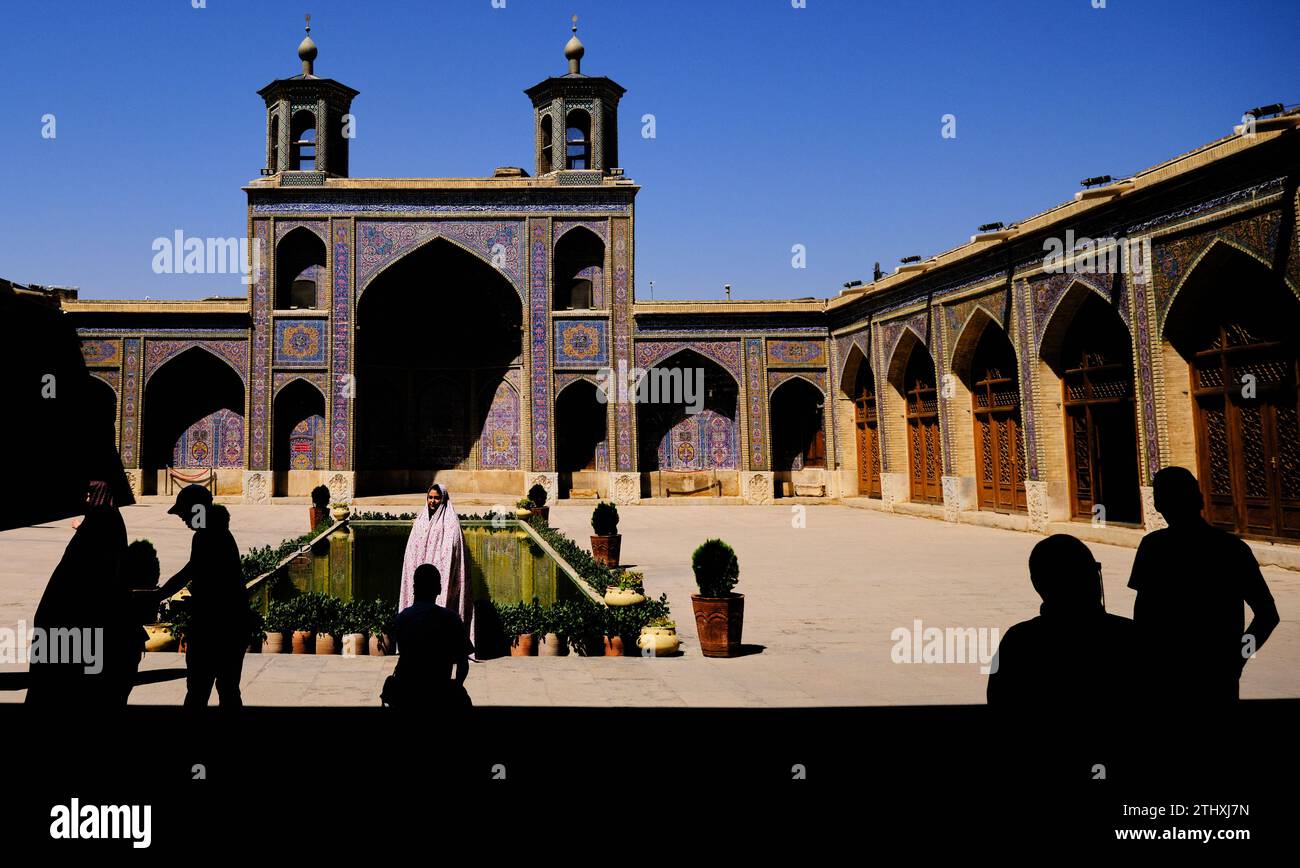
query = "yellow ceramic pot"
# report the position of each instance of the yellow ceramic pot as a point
(160, 638)
(623, 596)
(658, 641)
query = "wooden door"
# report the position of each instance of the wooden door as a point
(924, 451)
(1248, 440)
(999, 439)
(868, 440)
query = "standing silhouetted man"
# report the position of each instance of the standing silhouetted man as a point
(431, 643)
(1074, 656)
(220, 623)
(1193, 582)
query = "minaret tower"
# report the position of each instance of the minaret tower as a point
(576, 120)
(307, 123)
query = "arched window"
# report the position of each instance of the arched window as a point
(302, 147)
(273, 151)
(299, 264)
(577, 138)
(579, 270)
(544, 164)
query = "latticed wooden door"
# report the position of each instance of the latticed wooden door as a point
(1248, 438)
(868, 440)
(999, 439)
(924, 452)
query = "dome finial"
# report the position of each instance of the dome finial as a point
(574, 50)
(307, 49)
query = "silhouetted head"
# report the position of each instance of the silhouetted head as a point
(192, 504)
(1065, 574)
(426, 583)
(1177, 495)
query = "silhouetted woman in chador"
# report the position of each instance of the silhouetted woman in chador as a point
(83, 593)
(436, 538)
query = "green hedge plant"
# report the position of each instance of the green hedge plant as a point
(716, 568)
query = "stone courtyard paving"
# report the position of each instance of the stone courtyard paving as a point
(821, 601)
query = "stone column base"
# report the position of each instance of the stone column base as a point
(1039, 505)
(257, 486)
(958, 495)
(1151, 519)
(549, 481)
(624, 488)
(893, 489)
(756, 486)
(135, 482)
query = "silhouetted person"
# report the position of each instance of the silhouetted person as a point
(75, 610)
(1193, 582)
(431, 642)
(220, 619)
(1074, 656)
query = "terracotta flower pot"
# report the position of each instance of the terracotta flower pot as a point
(524, 646)
(552, 646)
(318, 515)
(718, 622)
(378, 645)
(340, 512)
(613, 646)
(326, 643)
(303, 642)
(606, 549)
(354, 645)
(543, 511)
(273, 643)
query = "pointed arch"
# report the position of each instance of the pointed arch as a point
(797, 408)
(435, 236)
(173, 351)
(671, 437)
(1061, 315)
(853, 360)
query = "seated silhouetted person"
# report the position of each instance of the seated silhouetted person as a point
(1074, 656)
(431, 643)
(1193, 582)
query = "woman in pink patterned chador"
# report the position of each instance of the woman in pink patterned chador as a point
(436, 538)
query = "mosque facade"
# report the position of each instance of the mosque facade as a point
(476, 331)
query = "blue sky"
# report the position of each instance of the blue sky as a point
(775, 125)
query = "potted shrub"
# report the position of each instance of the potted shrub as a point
(555, 628)
(257, 630)
(606, 541)
(340, 511)
(613, 627)
(275, 626)
(327, 623)
(379, 624)
(320, 506)
(537, 497)
(719, 613)
(520, 624)
(628, 589)
(353, 624)
(659, 637)
(523, 508)
(300, 622)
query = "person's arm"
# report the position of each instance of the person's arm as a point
(175, 583)
(1264, 616)
(462, 671)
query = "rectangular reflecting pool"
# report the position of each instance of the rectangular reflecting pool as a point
(363, 561)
